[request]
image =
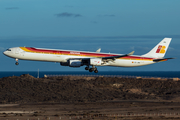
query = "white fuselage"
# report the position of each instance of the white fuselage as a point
(60, 56)
(73, 58)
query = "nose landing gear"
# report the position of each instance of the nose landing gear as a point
(17, 62)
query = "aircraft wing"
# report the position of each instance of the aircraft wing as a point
(119, 56)
(103, 58)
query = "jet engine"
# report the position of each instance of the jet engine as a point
(72, 63)
(75, 63)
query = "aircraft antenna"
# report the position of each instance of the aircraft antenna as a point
(38, 74)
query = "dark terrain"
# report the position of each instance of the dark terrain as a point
(27, 89)
(89, 95)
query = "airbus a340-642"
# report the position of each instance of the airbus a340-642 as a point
(73, 58)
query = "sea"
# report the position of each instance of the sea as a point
(40, 74)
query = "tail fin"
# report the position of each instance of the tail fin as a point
(160, 49)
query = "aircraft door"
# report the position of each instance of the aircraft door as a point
(17, 50)
(22, 53)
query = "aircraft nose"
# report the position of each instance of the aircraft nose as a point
(4, 52)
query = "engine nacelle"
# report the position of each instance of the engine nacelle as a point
(95, 61)
(75, 63)
(64, 63)
(72, 63)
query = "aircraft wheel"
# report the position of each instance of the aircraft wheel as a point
(96, 71)
(17, 63)
(86, 68)
(91, 69)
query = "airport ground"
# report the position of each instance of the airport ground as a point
(98, 98)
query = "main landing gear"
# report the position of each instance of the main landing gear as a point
(91, 69)
(17, 62)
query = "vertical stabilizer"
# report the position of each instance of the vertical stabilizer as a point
(160, 49)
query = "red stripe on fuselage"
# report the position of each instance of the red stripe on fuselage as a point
(86, 54)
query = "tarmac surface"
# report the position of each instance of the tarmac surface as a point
(99, 98)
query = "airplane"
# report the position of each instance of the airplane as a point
(74, 58)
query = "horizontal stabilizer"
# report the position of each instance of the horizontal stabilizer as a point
(163, 59)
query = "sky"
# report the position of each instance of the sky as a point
(116, 26)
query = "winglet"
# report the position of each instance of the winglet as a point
(131, 53)
(99, 50)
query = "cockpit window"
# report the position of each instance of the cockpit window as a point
(8, 49)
